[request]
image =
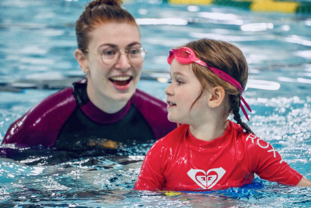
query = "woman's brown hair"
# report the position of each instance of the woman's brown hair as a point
(228, 58)
(98, 12)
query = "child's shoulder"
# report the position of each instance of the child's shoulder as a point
(249, 140)
(174, 136)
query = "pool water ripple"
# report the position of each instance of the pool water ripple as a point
(37, 42)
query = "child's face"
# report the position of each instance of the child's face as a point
(184, 89)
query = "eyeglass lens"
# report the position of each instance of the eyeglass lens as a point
(135, 54)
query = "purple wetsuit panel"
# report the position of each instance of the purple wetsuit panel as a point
(155, 112)
(58, 115)
(41, 124)
(101, 117)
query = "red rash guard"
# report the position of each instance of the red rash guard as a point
(179, 161)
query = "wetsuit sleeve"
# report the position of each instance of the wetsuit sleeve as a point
(268, 164)
(41, 124)
(151, 174)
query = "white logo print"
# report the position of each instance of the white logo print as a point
(206, 181)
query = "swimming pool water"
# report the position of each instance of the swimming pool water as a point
(37, 42)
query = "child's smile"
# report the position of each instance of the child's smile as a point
(170, 104)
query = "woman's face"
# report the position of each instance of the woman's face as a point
(112, 84)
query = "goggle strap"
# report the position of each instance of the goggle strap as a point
(244, 111)
(198, 61)
(226, 77)
(246, 104)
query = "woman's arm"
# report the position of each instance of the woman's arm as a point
(304, 182)
(42, 123)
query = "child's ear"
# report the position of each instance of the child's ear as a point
(82, 60)
(217, 96)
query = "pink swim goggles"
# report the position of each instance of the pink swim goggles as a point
(186, 55)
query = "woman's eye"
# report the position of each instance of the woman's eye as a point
(134, 51)
(109, 52)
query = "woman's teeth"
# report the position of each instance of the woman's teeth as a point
(121, 80)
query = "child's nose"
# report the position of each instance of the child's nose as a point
(168, 90)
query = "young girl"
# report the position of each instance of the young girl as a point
(208, 151)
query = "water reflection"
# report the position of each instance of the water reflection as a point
(162, 21)
(41, 46)
(257, 27)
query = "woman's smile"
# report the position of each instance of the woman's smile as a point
(121, 82)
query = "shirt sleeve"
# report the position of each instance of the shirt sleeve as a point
(268, 164)
(151, 174)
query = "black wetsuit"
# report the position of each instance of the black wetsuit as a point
(68, 120)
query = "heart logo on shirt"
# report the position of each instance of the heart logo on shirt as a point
(206, 180)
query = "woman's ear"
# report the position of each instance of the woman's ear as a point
(217, 96)
(82, 60)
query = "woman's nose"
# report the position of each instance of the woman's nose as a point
(123, 63)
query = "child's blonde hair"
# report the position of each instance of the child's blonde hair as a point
(228, 58)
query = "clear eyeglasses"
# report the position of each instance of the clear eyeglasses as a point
(110, 55)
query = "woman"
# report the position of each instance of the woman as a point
(104, 111)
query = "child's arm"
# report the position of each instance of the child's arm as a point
(304, 182)
(151, 174)
(268, 164)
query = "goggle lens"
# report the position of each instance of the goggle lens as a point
(170, 57)
(183, 53)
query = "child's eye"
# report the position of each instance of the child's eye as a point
(169, 81)
(180, 82)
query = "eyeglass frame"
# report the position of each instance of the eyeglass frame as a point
(126, 51)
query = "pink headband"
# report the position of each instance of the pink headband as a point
(226, 77)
